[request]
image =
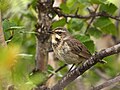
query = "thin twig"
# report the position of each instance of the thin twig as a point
(107, 83)
(104, 14)
(92, 19)
(57, 70)
(101, 74)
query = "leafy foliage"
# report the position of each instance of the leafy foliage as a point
(59, 23)
(105, 25)
(109, 8)
(97, 1)
(75, 24)
(94, 32)
(85, 39)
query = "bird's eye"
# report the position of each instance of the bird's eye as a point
(59, 33)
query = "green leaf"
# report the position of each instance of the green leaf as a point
(17, 38)
(108, 8)
(7, 35)
(38, 78)
(59, 23)
(97, 1)
(34, 3)
(82, 1)
(105, 25)
(90, 45)
(70, 3)
(64, 8)
(74, 5)
(75, 24)
(94, 32)
(85, 39)
(102, 22)
(50, 68)
(111, 29)
(82, 38)
(8, 24)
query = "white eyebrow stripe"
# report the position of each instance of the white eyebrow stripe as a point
(60, 31)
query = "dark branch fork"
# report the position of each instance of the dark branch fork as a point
(91, 15)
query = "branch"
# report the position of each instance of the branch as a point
(101, 74)
(42, 46)
(2, 39)
(42, 36)
(67, 79)
(104, 14)
(92, 19)
(107, 83)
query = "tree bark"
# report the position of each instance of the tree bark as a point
(43, 26)
(2, 39)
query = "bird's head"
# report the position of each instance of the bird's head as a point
(59, 34)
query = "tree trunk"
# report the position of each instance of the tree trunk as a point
(43, 26)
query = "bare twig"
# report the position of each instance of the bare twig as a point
(117, 22)
(57, 70)
(107, 83)
(67, 79)
(92, 19)
(101, 74)
(104, 14)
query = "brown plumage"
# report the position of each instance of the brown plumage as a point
(68, 48)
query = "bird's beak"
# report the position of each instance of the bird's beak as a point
(51, 32)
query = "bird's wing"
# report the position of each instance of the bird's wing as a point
(78, 48)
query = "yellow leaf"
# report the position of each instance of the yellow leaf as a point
(8, 56)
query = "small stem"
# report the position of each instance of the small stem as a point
(57, 70)
(107, 83)
(92, 19)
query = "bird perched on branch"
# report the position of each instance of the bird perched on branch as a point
(67, 48)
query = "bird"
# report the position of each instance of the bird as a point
(68, 48)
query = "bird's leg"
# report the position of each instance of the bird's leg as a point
(71, 67)
(77, 65)
(58, 70)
